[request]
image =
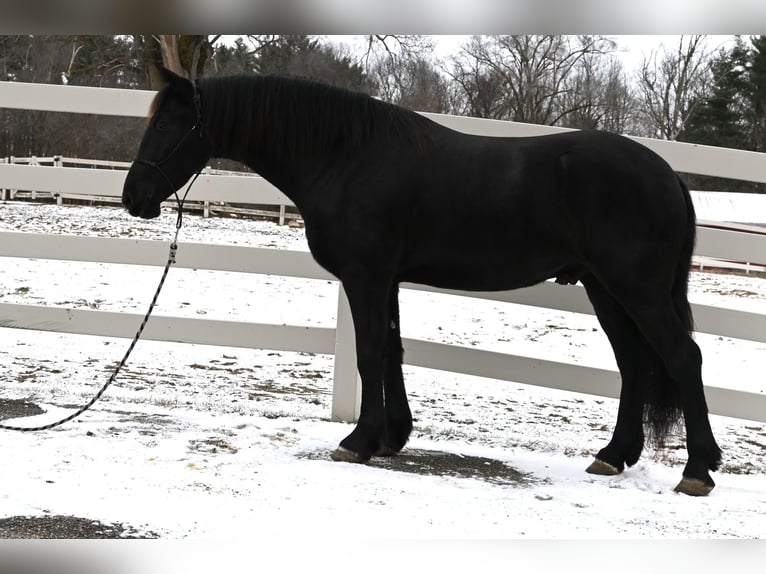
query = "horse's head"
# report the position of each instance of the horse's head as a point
(173, 149)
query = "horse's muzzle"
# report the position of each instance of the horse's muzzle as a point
(139, 195)
(137, 207)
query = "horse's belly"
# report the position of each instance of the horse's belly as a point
(489, 272)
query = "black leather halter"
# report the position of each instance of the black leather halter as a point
(196, 127)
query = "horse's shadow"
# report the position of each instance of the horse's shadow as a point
(446, 464)
(18, 408)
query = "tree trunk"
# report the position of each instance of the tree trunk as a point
(171, 58)
(185, 55)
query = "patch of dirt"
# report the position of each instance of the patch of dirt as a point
(212, 446)
(735, 292)
(269, 388)
(438, 463)
(153, 419)
(68, 527)
(17, 408)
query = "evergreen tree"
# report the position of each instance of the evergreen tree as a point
(236, 59)
(720, 119)
(734, 114)
(300, 55)
(105, 61)
(757, 80)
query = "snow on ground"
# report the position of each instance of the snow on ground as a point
(220, 443)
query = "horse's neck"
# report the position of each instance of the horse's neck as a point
(276, 145)
(291, 176)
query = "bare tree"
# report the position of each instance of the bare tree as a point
(585, 97)
(415, 84)
(477, 89)
(600, 97)
(530, 74)
(402, 70)
(396, 47)
(672, 82)
(425, 89)
(621, 103)
(184, 54)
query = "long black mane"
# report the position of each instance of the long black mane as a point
(246, 114)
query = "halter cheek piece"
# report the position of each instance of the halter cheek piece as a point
(197, 126)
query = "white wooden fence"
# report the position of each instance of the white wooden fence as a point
(207, 207)
(716, 243)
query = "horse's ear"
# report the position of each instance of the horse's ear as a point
(168, 76)
(157, 80)
(162, 77)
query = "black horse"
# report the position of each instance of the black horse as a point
(388, 196)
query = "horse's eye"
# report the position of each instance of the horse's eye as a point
(161, 125)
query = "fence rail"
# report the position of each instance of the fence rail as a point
(65, 188)
(718, 243)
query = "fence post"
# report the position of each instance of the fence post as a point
(206, 204)
(58, 163)
(282, 216)
(346, 388)
(33, 161)
(12, 160)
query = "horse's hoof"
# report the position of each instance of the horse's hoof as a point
(603, 468)
(386, 451)
(694, 487)
(342, 454)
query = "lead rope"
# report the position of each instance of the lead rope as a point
(171, 261)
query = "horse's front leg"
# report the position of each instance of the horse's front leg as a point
(368, 299)
(398, 414)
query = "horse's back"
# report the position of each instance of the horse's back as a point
(533, 186)
(552, 205)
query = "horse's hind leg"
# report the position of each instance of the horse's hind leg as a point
(683, 360)
(637, 363)
(659, 321)
(398, 415)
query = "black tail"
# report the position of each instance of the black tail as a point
(662, 409)
(681, 284)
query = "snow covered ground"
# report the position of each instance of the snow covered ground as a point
(218, 443)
